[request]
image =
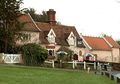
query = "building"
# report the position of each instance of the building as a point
(53, 36)
(50, 35)
(104, 48)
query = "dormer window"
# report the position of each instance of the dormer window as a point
(71, 39)
(51, 37)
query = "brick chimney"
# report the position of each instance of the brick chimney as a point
(51, 16)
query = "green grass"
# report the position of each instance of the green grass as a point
(35, 75)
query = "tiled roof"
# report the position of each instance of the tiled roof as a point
(112, 42)
(28, 23)
(62, 32)
(97, 43)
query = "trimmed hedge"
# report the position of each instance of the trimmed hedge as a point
(33, 54)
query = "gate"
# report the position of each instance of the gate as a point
(11, 58)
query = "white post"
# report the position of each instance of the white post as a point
(94, 65)
(53, 65)
(88, 70)
(84, 65)
(73, 65)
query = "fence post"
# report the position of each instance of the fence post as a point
(94, 65)
(53, 65)
(84, 65)
(73, 65)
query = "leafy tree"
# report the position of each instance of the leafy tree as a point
(38, 17)
(118, 42)
(9, 25)
(33, 54)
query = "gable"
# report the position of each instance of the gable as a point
(111, 42)
(51, 33)
(71, 39)
(28, 23)
(51, 36)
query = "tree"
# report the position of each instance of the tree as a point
(118, 41)
(33, 54)
(9, 25)
(38, 17)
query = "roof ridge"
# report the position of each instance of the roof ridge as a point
(93, 36)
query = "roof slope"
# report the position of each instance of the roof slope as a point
(112, 42)
(62, 32)
(97, 43)
(29, 25)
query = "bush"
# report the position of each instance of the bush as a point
(33, 54)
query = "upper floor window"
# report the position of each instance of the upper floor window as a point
(51, 39)
(51, 36)
(71, 39)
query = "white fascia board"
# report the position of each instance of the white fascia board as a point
(85, 42)
(34, 22)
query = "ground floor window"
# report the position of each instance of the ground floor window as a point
(50, 52)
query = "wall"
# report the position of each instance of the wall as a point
(116, 55)
(33, 38)
(104, 56)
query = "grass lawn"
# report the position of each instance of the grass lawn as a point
(34, 75)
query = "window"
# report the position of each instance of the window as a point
(51, 39)
(71, 40)
(51, 52)
(51, 36)
(80, 42)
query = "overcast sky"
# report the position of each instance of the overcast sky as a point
(90, 17)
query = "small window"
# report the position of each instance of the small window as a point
(80, 53)
(51, 52)
(51, 39)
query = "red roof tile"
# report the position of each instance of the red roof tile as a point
(28, 23)
(97, 43)
(112, 42)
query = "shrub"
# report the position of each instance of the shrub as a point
(33, 54)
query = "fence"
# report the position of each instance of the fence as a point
(10, 58)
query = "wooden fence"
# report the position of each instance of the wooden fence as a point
(10, 58)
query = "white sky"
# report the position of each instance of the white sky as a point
(90, 17)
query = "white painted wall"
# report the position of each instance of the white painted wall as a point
(116, 55)
(104, 56)
(34, 38)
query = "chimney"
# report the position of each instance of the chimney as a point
(51, 16)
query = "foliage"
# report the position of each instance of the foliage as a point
(38, 17)
(33, 54)
(118, 42)
(9, 25)
(68, 51)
